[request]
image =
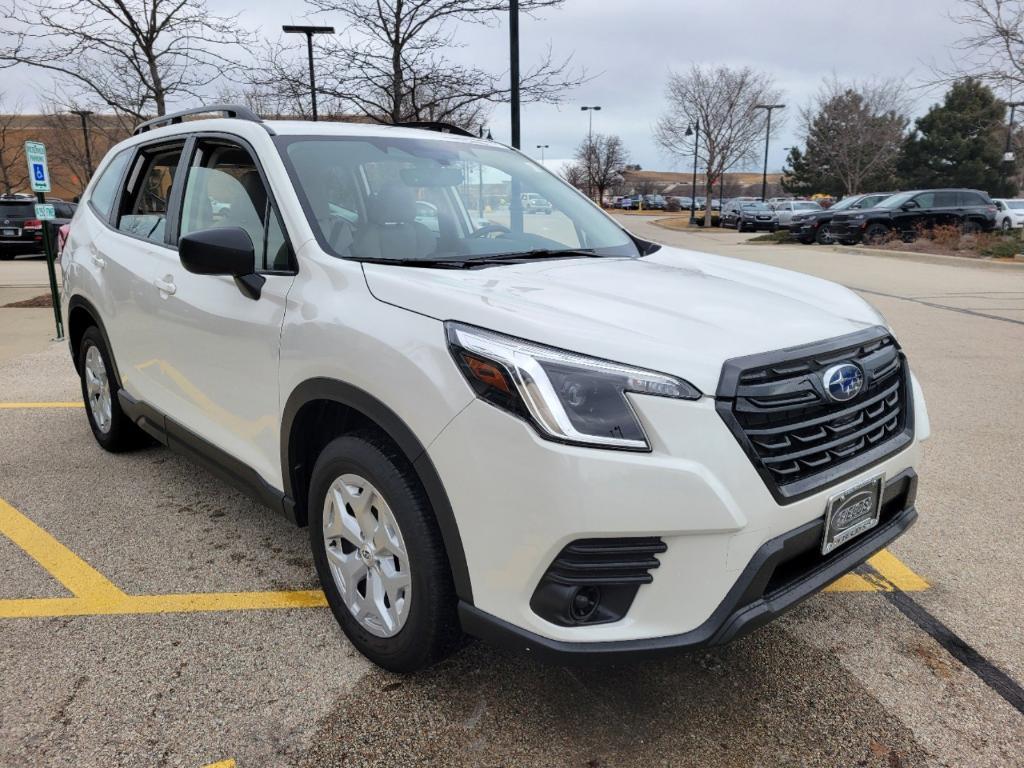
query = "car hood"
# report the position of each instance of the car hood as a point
(675, 311)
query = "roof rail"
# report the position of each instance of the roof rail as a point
(429, 125)
(229, 110)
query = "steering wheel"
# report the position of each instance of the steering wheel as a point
(488, 229)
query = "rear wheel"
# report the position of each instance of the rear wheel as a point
(113, 430)
(379, 554)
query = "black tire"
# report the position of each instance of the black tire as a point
(431, 630)
(876, 233)
(806, 240)
(971, 227)
(6, 256)
(122, 434)
(824, 235)
(1005, 226)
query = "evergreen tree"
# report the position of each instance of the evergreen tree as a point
(852, 137)
(959, 143)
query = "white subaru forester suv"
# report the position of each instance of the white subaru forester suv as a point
(539, 430)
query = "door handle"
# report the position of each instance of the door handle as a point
(96, 259)
(166, 285)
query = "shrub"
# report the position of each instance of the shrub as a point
(779, 236)
(1000, 246)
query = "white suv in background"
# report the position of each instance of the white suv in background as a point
(543, 431)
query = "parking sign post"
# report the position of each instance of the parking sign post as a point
(39, 177)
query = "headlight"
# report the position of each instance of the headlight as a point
(858, 216)
(567, 397)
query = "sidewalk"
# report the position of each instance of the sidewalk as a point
(24, 330)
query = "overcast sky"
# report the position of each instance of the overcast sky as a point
(627, 46)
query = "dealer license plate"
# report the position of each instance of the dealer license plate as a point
(851, 513)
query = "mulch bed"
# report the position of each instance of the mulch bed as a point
(33, 303)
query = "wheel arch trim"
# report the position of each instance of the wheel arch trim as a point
(363, 402)
(79, 302)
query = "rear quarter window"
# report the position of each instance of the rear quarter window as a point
(104, 192)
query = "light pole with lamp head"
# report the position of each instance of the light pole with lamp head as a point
(590, 149)
(83, 115)
(1008, 155)
(542, 147)
(767, 135)
(309, 31)
(694, 130)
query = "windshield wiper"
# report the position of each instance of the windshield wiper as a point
(429, 263)
(536, 253)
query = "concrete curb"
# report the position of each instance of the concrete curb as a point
(928, 258)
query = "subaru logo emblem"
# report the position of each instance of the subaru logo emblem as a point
(843, 382)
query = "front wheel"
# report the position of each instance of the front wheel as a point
(379, 554)
(824, 235)
(1005, 226)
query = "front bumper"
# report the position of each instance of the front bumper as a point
(518, 500)
(783, 572)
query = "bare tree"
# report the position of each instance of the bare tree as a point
(391, 64)
(575, 174)
(13, 171)
(992, 47)
(133, 56)
(65, 139)
(723, 101)
(602, 159)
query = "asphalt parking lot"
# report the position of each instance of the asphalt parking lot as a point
(152, 616)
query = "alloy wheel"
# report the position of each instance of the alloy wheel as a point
(97, 387)
(367, 555)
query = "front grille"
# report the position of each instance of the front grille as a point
(799, 438)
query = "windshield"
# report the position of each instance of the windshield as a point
(896, 200)
(1017, 205)
(435, 200)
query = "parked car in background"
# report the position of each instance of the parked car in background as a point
(534, 203)
(815, 226)
(733, 212)
(684, 202)
(905, 214)
(1010, 214)
(787, 209)
(20, 231)
(756, 216)
(655, 202)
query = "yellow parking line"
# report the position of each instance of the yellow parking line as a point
(80, 578)
(229, 763)
(95, 595)
(19, 406)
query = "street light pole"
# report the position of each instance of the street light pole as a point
(513, 69)
(542, 147)
(694, 131)
(590, 149)
(767, 136)
(309, 31)
(1008, 156)
(83, 114)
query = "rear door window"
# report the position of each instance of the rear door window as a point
(946, 200)
(148, 193)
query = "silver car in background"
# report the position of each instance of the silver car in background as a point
(787, 209)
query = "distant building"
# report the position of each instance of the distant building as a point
(679, 184)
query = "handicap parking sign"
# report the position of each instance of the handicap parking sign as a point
(39, 174)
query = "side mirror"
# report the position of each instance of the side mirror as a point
(222, 251)
(908, 206)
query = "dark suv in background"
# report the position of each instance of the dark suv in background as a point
(905, 214)
(20, 231)
(816, 226)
